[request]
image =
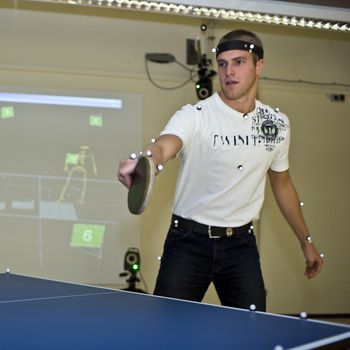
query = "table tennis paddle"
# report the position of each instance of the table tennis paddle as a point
(142, 185)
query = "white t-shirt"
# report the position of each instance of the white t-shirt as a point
(225, 158)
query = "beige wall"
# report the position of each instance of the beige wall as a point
(75, 48)
(320, 168)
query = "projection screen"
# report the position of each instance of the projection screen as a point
(63, 215)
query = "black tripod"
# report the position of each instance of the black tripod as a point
(132, 282)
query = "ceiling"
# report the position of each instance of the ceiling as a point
(330, 3)
(330, 10)
(321, 14)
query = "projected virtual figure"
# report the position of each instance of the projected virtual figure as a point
(77, 161)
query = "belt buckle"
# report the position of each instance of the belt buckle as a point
(210, 235)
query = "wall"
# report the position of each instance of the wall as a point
(320, 169)
(70, 47)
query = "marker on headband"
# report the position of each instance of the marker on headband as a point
(239, 45)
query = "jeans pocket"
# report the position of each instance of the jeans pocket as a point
(248, 238)
(177, 234)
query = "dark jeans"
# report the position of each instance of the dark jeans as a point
(191, 261)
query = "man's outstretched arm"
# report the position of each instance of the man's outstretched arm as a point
(166, 147)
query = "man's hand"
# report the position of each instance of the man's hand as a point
(314, 260)
(126, 170)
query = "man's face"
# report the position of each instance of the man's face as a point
(238, 74)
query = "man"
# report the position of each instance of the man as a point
(228, 143)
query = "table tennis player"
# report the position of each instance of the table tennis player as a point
(229, 143)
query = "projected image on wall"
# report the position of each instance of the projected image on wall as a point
(63, 214)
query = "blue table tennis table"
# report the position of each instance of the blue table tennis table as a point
(37, 313)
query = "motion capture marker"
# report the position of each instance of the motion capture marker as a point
(251, 46)
(240, 167)
(176, 223)
(8, 271)
(199, 107)
(322, 255)
(160, 167)
(159, 258)
(245, 116)
(308, 238)
(149, 153)
(252, 307)
(133, 156)
(153, 140)
(301, 203)
(303, 315)
(252, 227)
(277, 109)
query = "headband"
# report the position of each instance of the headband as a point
(239, 45)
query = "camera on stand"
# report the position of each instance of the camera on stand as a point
(205, 73)
(132, 265)
(204, 85)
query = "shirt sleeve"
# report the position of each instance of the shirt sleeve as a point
(182, 124)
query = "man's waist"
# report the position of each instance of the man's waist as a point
(211, 231)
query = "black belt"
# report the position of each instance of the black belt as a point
(211, 231)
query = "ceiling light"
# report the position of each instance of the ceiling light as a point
(211, 12)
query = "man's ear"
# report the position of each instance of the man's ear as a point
(260, 66)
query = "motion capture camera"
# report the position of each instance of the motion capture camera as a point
(132, 261)
(204, 88)
(204, 85)
(132, 265)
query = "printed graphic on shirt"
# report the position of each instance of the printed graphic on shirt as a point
(268, 129)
